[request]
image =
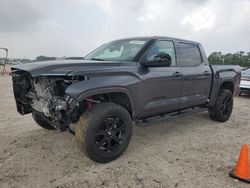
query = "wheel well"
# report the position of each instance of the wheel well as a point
(227, 85)
(117, 97)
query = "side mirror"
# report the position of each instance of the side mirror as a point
(159, 60)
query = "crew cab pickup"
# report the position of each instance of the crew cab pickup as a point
(139, 80)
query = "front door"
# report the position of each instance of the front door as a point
(161, 86)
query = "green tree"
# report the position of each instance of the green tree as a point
(239, 58)
(44, 58)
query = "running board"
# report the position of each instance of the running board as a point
(148, 121)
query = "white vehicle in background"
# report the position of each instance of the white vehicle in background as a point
(245, 82)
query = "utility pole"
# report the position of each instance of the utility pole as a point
(6, 57)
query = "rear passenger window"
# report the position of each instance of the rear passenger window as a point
(189, 55)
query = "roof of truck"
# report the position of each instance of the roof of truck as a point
(160, 37)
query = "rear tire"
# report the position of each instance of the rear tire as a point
(41, 122)
(104, 132)
(223, 107)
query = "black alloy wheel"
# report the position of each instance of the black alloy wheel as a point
(223, 107)
(104, 131)
(226, 106)
(111, 134)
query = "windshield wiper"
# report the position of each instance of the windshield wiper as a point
(97, 59)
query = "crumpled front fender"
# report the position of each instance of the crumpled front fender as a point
(100, 85)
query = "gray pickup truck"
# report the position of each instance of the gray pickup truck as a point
(139, 80)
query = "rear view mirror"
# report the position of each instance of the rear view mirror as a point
(162, 58)
(159, 60)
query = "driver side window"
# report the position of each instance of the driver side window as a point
(166, 47)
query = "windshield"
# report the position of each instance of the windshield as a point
(121, 50)
(246, 72)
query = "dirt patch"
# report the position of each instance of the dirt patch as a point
(193, 151)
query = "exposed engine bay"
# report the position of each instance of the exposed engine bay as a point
(45, 95)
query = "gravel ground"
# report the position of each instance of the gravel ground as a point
(192, 151)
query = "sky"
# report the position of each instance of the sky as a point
(75, 27)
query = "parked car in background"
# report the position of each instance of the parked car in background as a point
(245, 82)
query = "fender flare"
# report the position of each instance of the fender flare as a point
(106, 90)
(215, 93)
(231, 81)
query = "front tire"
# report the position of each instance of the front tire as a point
(104, 131)
(223, 107)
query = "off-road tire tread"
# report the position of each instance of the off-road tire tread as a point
(214, 112)
(87, 120)
(80, 130)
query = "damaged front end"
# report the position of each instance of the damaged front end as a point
(45, 95)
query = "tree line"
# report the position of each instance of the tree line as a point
(239, 58)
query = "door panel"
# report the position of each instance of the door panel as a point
(197, 75)
(195, 86)
(160, 90)
(160, 86)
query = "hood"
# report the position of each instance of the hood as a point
(64, 67)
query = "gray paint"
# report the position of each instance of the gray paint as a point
(151, 90)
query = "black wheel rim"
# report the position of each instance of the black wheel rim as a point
(226, 106)
(110, 134)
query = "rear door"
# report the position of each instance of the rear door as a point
(197, 74)
(161, 86)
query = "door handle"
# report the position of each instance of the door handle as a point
(206, 73)
(177, 74)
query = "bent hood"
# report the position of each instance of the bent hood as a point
(65, 67)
